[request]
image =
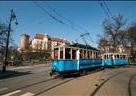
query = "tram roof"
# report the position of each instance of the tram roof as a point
(114, 54)
(77, 45)
(83, 46)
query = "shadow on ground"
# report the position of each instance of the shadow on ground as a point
(11, 74)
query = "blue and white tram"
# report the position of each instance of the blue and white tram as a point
(113, 59)
(75, 58)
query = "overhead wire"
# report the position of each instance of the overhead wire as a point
(68, 20)
(108, 10)
(62, 15)
(54, 17)
(103, 8)
(44, 10)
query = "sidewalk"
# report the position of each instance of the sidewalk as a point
(29, 66)
(14, 71)
(5, 74)
(9, 74)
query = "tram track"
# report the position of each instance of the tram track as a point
(54, 86)
(129, 84)
(49, 84)
(53, 83)
(104, 82)
(29, 85)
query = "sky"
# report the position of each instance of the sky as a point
(63, 19)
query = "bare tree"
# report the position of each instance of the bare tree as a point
(114, 31)
(102, 43)
(132, 34)
(3, 34)
(132, 39)
(3, 37)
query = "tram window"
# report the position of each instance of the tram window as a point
(73, 54)
(107, 56)
(123, 56)
(104, 56)
(91, 55)
(56, 53)
(81, 54)
(117, 56)
(111, 57)
(120, 56)
(96, 55)
(84, 54)
(67, 53)
(88, 54)
(61, 53)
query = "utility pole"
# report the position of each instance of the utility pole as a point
(12, 18)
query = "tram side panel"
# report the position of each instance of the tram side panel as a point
(107, 62)
(64, 65)
(114, 59)
(120, 61)
(90, 63)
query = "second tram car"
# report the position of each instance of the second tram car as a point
(113, 59)
(75, 58)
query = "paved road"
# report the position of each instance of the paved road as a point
(109, 82)
(122, 84)
(35, 80)
(33, 75)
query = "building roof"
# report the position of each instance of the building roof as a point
(39, 36)
(56, 39)
(25, 35)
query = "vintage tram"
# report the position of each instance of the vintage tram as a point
(76, 58)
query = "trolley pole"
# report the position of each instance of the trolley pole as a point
(12, 18)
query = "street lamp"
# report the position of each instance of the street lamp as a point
(12, 18)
